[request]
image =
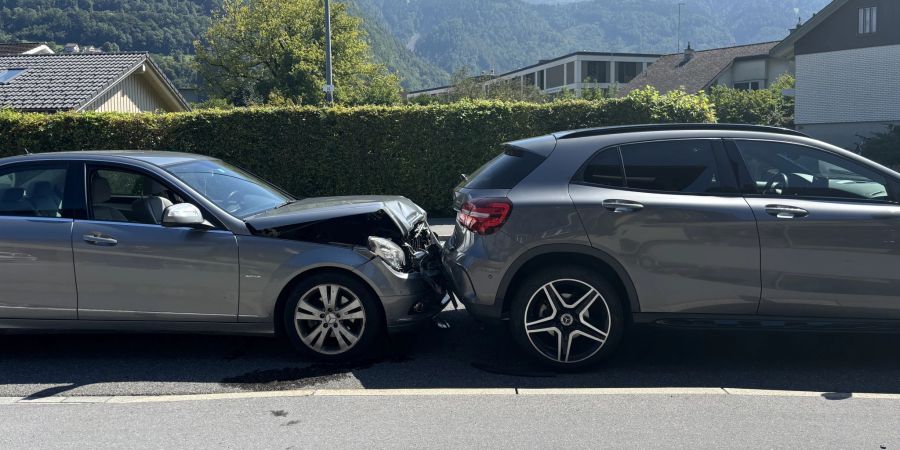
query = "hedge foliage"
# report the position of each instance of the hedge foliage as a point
(415, 151)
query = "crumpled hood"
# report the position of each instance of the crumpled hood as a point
(403, 211)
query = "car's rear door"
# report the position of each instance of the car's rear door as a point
(671, 213)
(129, 267)
(37, 205)
(828, 227)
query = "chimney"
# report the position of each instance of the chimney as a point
(71, 48)
(688, 53)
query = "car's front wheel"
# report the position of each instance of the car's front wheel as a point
(567, 317)
(332, 317)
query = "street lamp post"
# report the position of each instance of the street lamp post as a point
(329, 76)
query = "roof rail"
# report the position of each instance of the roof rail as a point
(601, 131)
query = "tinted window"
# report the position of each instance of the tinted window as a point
(33, 192)
(505, 171)
(779, 169)
(605, 169)
(672, 166)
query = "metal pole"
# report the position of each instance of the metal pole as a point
(329, 76)
(678, 50)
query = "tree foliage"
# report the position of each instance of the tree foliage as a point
(258, 50)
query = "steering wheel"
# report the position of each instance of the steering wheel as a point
(777, 184)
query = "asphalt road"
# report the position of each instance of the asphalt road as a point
(467, 355)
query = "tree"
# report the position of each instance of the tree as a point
(257, 51)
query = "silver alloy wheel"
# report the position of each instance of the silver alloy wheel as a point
(330, 319)
(567, 320)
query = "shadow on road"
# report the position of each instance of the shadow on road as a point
(466, 355)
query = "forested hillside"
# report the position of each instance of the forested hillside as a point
(424, 41)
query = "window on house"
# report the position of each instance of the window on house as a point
(868, 20)
(570, 73)
(556, 76)
(626, 71)
(595, 72)
(7, 75)
(748, 85)
(529, 79)
(540, 80)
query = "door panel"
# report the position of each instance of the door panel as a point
(685, 254)
(131, 271)
(37, 277)
(840, 260)
(662, 210)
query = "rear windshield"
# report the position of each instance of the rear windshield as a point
(505, 171)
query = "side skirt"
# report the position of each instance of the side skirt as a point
(24, 326)
(710, 321)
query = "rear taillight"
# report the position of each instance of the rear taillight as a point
(484, 215)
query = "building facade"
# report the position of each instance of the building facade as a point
(847, 60)
(575, 72)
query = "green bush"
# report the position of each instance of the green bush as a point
(415, 151)
(760, 107)
(884, 148)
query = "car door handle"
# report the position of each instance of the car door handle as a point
(99, 239)
(786, 212)
(622, 206)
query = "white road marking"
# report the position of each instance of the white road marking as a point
(511, 392)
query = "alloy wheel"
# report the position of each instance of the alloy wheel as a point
(567, 320)
(330, 319)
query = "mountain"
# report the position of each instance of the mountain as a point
(425, 40)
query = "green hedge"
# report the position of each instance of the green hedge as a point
(415, 151)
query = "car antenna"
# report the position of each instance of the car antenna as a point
(26, 150)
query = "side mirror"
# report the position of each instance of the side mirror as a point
(184, 215)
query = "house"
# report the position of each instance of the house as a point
(112, 82)
(573, 72)
(741, 67)
(847, 60)
(24, 48)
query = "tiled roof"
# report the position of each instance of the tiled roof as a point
(62, 81)
(671, 72)
(17, 48)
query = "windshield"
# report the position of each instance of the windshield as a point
(230, 188)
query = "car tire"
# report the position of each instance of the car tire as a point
(581, 326)
(333, 317)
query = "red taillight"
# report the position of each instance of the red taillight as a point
(484, 215)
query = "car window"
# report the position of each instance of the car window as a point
(236, 191)
(605, 169)
(33, 191)
(686, 166)
(121, 195)
(788, 170)
(505, 171)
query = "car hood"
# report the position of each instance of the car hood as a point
(403, 211)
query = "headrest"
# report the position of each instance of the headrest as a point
(42, 189)
(12, 195)
(100, 190)
(152, 188)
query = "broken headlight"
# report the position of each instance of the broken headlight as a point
(388, 251)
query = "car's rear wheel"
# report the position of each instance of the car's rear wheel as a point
(332, 317)
(567, 317)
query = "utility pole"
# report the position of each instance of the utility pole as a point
(329, 76)
(677, 50)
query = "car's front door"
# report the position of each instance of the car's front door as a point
(130, 267)
(829, 229)
(37, 279)
(671, 213)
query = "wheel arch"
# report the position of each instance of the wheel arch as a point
(284, 294)
(541, 256)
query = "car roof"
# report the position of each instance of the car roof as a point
(721, 127)
(157, 158)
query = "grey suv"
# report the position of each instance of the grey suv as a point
(154, 241)
(576, 235)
